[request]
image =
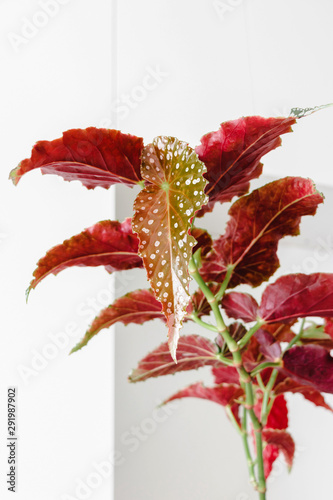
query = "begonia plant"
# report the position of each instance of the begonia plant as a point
(258, 352)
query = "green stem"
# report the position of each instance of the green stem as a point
(257, 427)
(233, 420)
(267, 364)
(225, 283)
(265, 407)
(199, 321)
(250, 333)
(249, 459)
(244, 376)
(297, 338)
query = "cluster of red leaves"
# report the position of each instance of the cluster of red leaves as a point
(179, 183)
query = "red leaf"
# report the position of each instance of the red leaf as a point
(270, 454)
(204, 240)
(309, 393)
(297, 296)
(258, 221)
(237, 332)
(280, 331)
(163, 214)
(198, 304)
(232, 154)
(225, 374)
(283, 441)
(193, 352)
(240, 306)
(135, 307)
(278, 416)
(108, 243)
(224, 394)
(310, 365)
(96, 157)
(268, 346)
(251, 354)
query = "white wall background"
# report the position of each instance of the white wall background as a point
(181, 68)
(60, 78)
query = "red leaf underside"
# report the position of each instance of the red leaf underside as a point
(240, 306)
(108, 243)
(309, 393)
(225, 374)
(193, 352)
(257, 223)
(310, 365)
(281, 440)
(232, 154)
(164, 210)
(224, 394)
(297, 296)
(96, 157)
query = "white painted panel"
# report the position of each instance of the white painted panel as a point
(58, 77)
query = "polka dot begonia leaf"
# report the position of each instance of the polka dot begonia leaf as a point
(164, 210)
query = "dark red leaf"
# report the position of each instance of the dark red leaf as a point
(310, 365)
(193, 352)
(280, 331)
(283, 441)
(297, 296)
(223, 394)
(96, 157)
(135, 307)
(198, 304)
(204, 240)
(240, 306)
(251, 354)
(108, 243)
(258, 221)
(237, 332)
(163, 214)
(225, 374)
(268, 346)
(309, 393)
(232, 154)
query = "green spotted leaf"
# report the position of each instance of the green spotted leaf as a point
(164, 210)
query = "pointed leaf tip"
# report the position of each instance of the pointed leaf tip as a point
(301, 112)
(164, 210)
(135, 307)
